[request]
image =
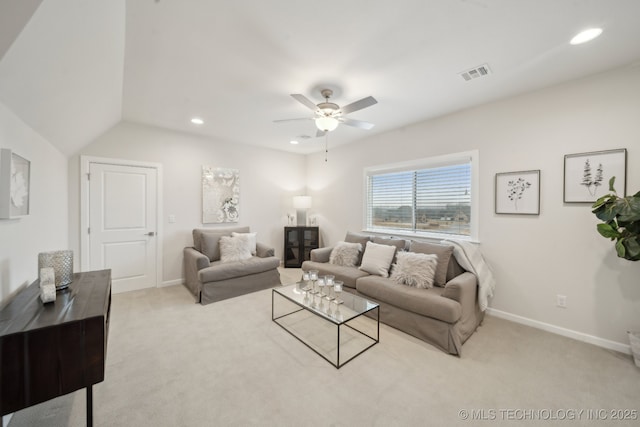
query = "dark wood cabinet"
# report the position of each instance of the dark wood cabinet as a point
(298, 243)
(47, 350)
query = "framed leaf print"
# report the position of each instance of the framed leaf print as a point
(518, 192)
(587, 175)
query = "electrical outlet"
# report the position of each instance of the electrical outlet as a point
(561, 301)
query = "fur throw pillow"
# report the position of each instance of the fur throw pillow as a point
(345, 254)
(415, 269)
(236, 248)
(252, 240)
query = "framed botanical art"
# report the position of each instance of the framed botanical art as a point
(220, 195)
(518, 192)
(14, 185)
(587, 175)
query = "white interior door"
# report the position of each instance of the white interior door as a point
(123, 224)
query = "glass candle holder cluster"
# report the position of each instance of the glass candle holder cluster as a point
(326, 287)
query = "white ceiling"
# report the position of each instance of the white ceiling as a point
(78, 67)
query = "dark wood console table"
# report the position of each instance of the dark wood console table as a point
(48, 350)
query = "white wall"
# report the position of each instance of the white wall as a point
(268, 181)
(45, 228)
(534, 257)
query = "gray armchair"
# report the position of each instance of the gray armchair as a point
(209, 279)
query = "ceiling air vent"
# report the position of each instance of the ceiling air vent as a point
(476, 72)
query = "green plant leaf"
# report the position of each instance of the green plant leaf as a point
(611, 182)
(628, 209)
(631, 227)
(601, 201)
(606, 212)
(620, 249)
(608, 231)
(633, 247)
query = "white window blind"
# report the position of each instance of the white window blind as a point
(422, 198)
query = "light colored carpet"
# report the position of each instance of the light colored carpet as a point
(172, 362)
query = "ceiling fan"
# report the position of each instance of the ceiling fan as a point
(328, 115)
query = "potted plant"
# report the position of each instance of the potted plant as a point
(621, 221)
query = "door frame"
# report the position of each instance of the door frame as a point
(85, 163)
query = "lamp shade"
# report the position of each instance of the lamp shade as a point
(326, 124)
(302, 202)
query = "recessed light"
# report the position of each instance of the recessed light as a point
(586, 35)
(294, 142)
(197, 121)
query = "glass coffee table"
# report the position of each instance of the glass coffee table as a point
(337, 332)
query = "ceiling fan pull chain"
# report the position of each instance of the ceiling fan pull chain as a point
(326, 146)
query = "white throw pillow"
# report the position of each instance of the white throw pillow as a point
(252, 240)
(234, 248)
(377, 259)
(415, 269)
(345, 254)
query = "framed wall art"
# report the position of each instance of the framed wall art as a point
(220, 195)
(15, 177)
(587, 175)
(518, 193)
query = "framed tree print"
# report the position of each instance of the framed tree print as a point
(518, 192)
(587, 175)
(14, 185)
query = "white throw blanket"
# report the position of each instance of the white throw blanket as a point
(470, 258)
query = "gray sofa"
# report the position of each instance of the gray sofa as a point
(444, 316)
(209, 279)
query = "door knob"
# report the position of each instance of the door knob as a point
(151, 233)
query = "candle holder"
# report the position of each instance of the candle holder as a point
(62, 264)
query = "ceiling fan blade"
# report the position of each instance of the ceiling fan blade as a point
(305, 101)
(293, 120)
(358, 105)
(356, 123)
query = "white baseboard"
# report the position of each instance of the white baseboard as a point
(171, 283)
(600, 342)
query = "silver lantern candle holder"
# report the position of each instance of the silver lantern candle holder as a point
(62, 264)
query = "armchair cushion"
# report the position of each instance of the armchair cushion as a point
(228, 270)
(206, 240)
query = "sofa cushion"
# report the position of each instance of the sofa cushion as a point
(426, 302)
(400, 244)
(415, 269)
(348, 275)
(444, 254)
(213, 234)
(346, 254)
(235, 248)
(358, 238)
(377, 259)
(228, 270)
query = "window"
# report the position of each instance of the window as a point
(432, 197)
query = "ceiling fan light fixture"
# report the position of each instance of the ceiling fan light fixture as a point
(326, 124)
